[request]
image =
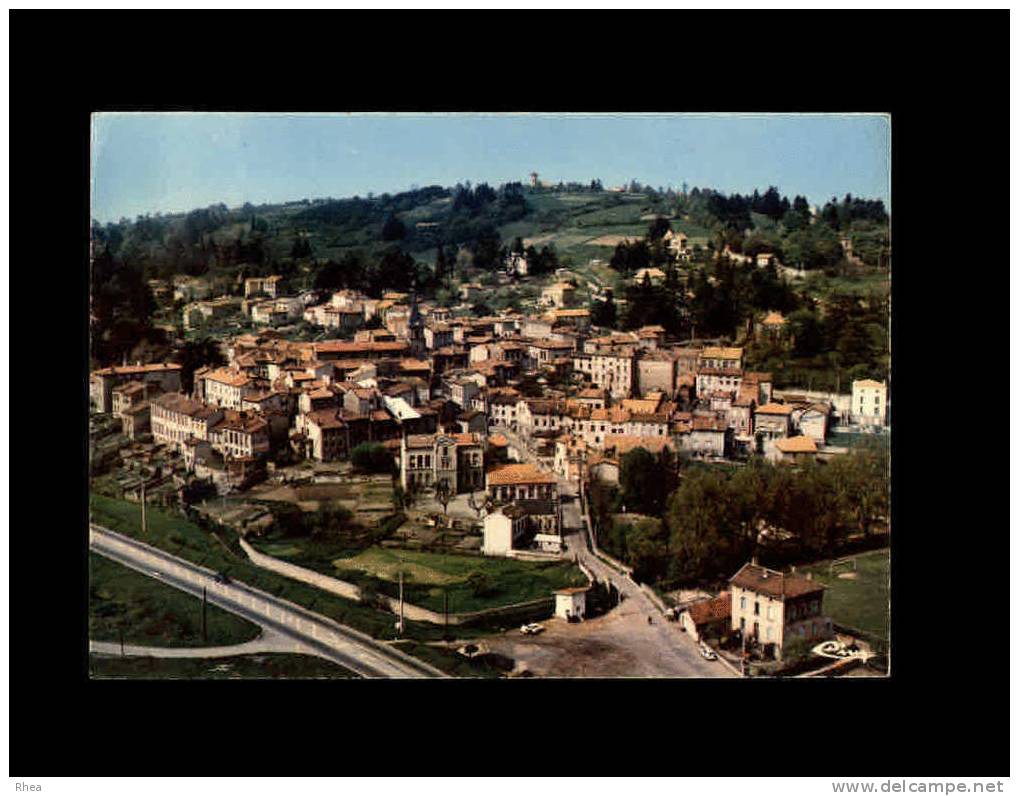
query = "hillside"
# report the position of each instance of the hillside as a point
(435, 237)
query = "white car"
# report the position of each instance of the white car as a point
(707, 653)
(532, 629)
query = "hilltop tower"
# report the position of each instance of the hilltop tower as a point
(534, 179)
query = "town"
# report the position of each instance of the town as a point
(515, 488)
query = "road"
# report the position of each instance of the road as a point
(311, 633)
(675, 653)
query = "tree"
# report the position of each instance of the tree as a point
(603, 313)
(372, 457)
(195, 354)
(393, 229)
(479, 505)
(641, 485)
(443, 494)
(658, 229)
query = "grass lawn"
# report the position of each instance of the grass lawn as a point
(266, 666)
(450, 661)
(861, 603)
(175, 534)
(427, 575)
(153, 613)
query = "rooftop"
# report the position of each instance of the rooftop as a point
(761, 580)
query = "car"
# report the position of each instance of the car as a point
(532, 629)
(707, 653)
(222, 577)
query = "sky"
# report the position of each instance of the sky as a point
(163, 162)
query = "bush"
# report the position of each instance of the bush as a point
(480, 584)
(371, 457)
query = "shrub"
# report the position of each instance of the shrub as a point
(371, 457)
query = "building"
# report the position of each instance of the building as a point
(509, 482)
(326, 436)
(791, 449)
(719, 368)
(428, 459)
(611, 369)
(240, 435)
(771, 422)
(657, 371)
(131, 394)
(226, 387)
(267, 285)
(869, 400)
(174, 419)
(708, 618)
(571, 602)
(560, 295)
(164, 375)
(523, 525)
(654, 275)
(770, 608)
(210, 310)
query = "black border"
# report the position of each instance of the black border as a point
(939, 75)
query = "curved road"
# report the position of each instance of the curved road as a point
(313, 633)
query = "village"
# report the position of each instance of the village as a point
(493, 429)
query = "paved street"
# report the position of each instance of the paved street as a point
(309, 632)
(662, 648)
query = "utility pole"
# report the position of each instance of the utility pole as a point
(401, 602)
(205, 603)
(121, 628)
(144, 527)
(445, 614)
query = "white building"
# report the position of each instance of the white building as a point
(869, 402)
(571, 602)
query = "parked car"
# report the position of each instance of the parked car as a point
(707, 653)
(532, 629)
(222, 577)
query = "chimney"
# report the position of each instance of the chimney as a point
(810, 576)
(764, 575)
(753, 560)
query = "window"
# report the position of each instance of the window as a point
(757, 609)
(742, 603)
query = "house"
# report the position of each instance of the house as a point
(509, 482)
(869, 402)
(719, 368)
(131, 394)
(708, 618)
(612, 369)
(504, 530)
(579, 319)
(175, 418)
(326, 436)
(201, 312)
(791, 449)
(268, 285)
(136, 420)
(771, 422)
(678, 243)
(770, 608)
(226, 387)
(657, 370)
(240, 435)
(456, 459)
(772, 325)
(560, 295)
(164, 375)
(654, 275)
(811, 420)
(524, 524)
(708, 436)
(764, 259)
(571, 602)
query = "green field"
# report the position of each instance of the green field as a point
(154, 614)
(861, 603)
(428, 576)
(176, 535)
(267, 666)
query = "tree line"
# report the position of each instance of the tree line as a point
(716, 519)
